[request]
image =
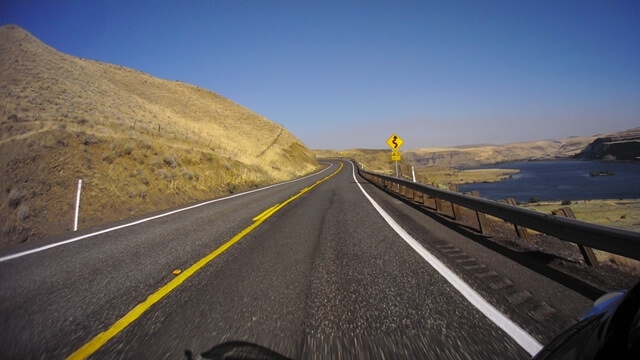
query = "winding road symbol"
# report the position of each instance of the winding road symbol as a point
(395, 142)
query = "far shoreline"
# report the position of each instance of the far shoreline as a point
(499, 163)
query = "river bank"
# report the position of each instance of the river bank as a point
(443, 176)
(623, 214)
(559, 180)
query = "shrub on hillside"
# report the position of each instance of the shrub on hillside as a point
(127, 149)
(107, 158)
(188, 174)
(171, 161)
(156, 163)
(164, 174)
(15, 197)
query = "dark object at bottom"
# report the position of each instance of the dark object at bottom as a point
(610, 330)
(237, 350)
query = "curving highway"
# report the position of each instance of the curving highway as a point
(325, 266)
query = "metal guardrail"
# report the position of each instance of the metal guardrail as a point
(617, 241)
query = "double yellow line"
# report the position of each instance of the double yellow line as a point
(96, 343)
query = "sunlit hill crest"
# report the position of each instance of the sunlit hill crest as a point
(139, 143)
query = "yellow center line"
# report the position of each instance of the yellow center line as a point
(96, 343)
(264, 213)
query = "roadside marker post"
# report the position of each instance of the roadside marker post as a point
(75, 220)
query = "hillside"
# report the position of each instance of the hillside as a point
(139, 143)
(623, 145)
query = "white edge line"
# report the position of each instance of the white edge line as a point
(46, 247)
(524, 339)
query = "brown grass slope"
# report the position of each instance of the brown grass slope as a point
(139, 143)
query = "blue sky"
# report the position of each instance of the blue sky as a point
(346, 74)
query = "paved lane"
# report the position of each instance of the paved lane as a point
(324, 275)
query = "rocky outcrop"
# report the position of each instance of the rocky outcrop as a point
(623, 145)
(442, 158)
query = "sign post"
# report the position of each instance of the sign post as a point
(394, 143)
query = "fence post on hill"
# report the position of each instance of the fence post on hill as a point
(587, 253)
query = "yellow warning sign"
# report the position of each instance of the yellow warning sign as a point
(395, 142)
(395, 156)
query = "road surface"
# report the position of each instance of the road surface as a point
(320, 273)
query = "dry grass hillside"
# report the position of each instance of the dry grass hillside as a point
(139, 143)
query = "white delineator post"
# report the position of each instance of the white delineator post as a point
(413, 172)
(397, 175)
(75, 221)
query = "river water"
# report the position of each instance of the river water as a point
(563, 180)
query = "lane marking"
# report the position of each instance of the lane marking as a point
(96, 343)
(50, 246)
(264, 213)
(524, 339)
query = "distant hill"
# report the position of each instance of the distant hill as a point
(492, 154)
(471, 155)
(139, 143)
(623, 145)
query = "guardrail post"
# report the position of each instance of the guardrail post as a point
(480, 217)
(587, 253)
(425, 200)
(438, 204)
(411, 194)
(521, 232)
(455, 209)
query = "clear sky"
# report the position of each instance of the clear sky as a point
(345, 74)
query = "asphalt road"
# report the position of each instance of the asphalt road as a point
(325, 275)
